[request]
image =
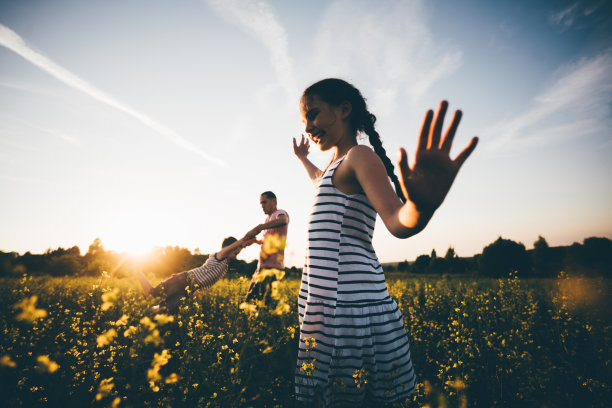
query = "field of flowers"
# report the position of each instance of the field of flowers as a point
(475, 342)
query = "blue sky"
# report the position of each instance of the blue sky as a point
(159, 123)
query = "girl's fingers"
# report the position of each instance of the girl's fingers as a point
(434, 140)
(466, 153)
(405, 171)
(450, 133)
(422, 144)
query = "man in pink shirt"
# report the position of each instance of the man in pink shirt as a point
(272, 254)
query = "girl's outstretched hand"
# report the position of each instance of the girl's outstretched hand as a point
(301, 150)
(429, 179)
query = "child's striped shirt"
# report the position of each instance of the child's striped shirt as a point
(210, 272)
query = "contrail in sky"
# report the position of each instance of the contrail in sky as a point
(12, 41)
(259, 20)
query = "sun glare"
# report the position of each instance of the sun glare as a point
(132, 232)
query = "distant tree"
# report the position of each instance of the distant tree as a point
(74, 251)
(98, 260)
(421, 263)
(462, 265)
(598, 255)
(8, 261)
(433, 255)
(542, 257)
(503, 257)
(450, 254)
(172, 259)
(64, 265)
(439, 265)
(31, 263)
(593, 257)
(403, 266)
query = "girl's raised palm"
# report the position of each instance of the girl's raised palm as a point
(301, 150)
(429, 179)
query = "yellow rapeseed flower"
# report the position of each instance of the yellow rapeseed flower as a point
(45, 364)
(5, 361)
(248, 307)
(109, 299)
(106, 338)
(310, 342)
(457, 384)
(172, 378)
(129, 332)
(361, 377)
(163, 318)
(153, 375)
(122, 320)
(105, 388)
(154, 338)
(29, 312)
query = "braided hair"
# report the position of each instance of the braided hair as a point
(336, 91)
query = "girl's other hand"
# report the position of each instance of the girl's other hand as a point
(429, 179)
(301, 150)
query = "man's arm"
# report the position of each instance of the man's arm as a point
(281, 220)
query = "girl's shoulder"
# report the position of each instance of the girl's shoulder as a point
(357, 164)
(361, 155)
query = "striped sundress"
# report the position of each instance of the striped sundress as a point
(353, 344)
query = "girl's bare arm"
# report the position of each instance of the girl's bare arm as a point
(425, 184)
(301, 151)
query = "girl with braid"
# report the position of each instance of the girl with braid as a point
(353, 347)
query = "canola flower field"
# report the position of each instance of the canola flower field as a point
(475, 343)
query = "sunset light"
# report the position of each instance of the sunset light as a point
(324, 203)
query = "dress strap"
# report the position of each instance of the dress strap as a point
(329, 171)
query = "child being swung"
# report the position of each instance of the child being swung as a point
(353, 344)
(174, 288)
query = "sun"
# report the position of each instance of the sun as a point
(132, 232)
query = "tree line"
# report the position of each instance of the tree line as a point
(592, 257)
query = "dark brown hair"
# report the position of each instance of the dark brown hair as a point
(269, 194)
(228, 241)
(335, 91)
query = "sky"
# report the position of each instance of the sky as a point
(154, 123)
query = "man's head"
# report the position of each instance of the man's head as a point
(229, 241)
(268, 202)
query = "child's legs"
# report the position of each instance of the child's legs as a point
(174, 286)
(144, 282)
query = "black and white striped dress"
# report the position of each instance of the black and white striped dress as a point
(353, 344)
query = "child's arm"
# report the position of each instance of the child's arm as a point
(235, 247)
(425, 185)
(301, 151)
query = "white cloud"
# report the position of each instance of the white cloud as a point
(576, 15)
(258, 19)
(387, 43)
(576, 104)
(564, 18)
(12, 41)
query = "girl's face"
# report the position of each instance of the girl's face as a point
(326, 125)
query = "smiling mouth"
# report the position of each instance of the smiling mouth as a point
(316, 137)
